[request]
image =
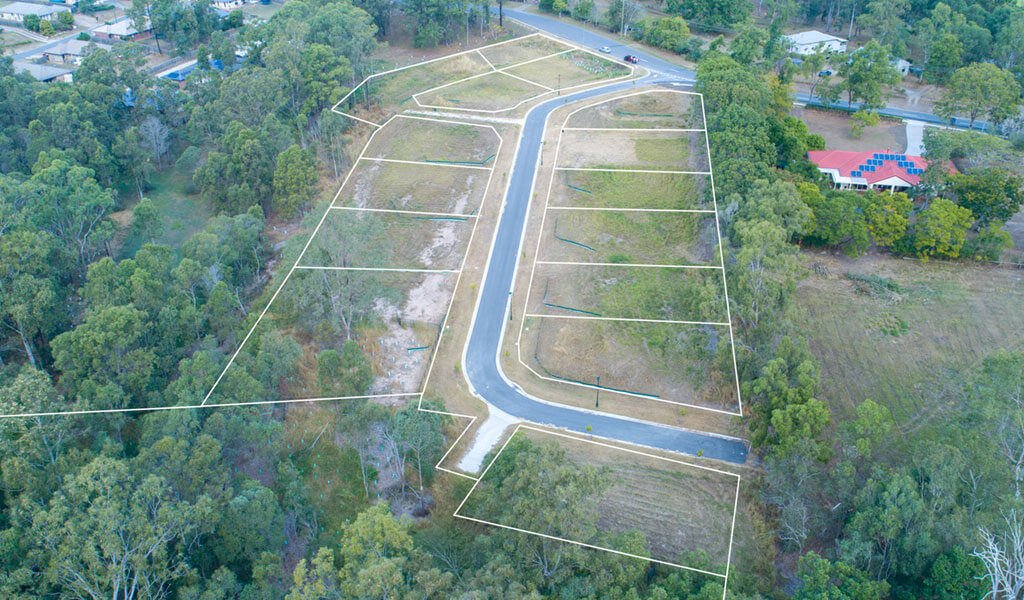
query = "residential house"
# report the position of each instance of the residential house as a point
(72, 52)
(871, 170)
(15, 12)
(122, 30)
(45, 73)
(810, 42)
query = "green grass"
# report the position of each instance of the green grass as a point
(494, 91)
(180, 214)
(570, 69)
(628, 237)
(631, 190)
(522, 50)
(903, 332)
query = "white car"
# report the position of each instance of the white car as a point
(605, 49)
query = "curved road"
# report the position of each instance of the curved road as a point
(481, 354)
(589, 39)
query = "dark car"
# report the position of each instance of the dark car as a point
(825, 73)
(631, 59)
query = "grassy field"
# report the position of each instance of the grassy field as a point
(835, 128)
(570, 69)
(433, 141)
(901, 332)
(628, 292)
(522, 50)
(179, 213)
(679, 508)
(388, 240)
(494, 91)
(666, 361)
(629, 237)
(631, 190)
(650, 110)
(424, 188)
(633, 150)
(393, 92)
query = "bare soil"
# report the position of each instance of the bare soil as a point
(835, 128)
(659, 109)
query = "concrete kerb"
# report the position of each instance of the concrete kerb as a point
(732, 527)
(547, 199)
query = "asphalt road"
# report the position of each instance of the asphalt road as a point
(481, 356)
(586, 38)
(73, 35)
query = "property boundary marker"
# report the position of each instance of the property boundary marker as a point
(732, 527)
(540, 237)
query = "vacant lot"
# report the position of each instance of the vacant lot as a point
(389, 240)
(658, 293)
(683, 364)
(610, 189)
(611, 236)
(524, 49)
(180, 214)
(657, 151)
(900, 331)
(393, 92)
(570, 69)
(835, 128)
(651, 110)
(424, 140)
(425, 188)
(678, 507)
(491, 92)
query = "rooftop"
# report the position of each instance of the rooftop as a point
(25, 8)
(40, 72)
(872, 167)
(122, 27)
(812, 37)
(75, 47)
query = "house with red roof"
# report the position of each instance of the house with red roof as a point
(870, 170)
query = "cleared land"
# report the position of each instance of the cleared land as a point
(658, 293)
(680, 508)
(653, 110)
(393, 92)
(389, 240)
(442, 143)
(610, 189)
(524, 49)
(422, 188)
(610, 236)
(834, 126)
(568, 70)
(901, 332)
(395, 318)
(684, 364)
(491, 92)
(655, 151)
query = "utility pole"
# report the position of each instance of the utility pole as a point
(501, 13)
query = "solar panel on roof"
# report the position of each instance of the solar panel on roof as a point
(854, 173)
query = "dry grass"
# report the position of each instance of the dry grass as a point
(570, 70)
(522, 50)
(907, 348)
(629, 237)
(393, 92)
(432, 141)
(606, 189)
(835, 128)
(350, 238)
(683, 364)
(628, 292)
(654, 109)
(654, 151)
(494, 92)
(424, 188)
(678, 507)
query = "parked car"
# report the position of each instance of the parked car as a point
(605, 50)
(631, 59)
(825, 73)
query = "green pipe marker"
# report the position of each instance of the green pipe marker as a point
(569, 308)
